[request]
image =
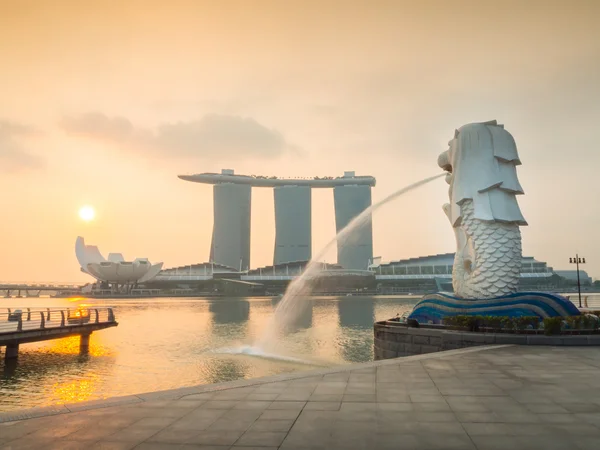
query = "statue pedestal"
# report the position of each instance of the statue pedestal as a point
(433, 308)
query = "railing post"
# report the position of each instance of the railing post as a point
(62, 318)
(42, 322)
(20, 323)
(48, 309)
(28, 314)
(97, 315)
(111, 316)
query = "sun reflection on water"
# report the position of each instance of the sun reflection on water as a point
(76, 390)
(70, 346)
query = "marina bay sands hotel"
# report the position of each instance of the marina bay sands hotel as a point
(293, 241)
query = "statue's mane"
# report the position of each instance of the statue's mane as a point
(484, 171)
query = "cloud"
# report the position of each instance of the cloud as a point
(98, 125)
(214, 136)
(13, 156)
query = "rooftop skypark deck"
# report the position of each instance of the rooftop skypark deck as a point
(228, 176)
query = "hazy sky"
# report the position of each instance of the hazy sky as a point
(105, 103)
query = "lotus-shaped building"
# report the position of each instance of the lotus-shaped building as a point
(114, 270)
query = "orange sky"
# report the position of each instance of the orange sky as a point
(106, 104)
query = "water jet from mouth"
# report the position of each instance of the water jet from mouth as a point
(291, 304)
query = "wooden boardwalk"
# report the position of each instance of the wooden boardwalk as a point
(39, 324)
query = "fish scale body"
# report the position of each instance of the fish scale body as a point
(497, 258)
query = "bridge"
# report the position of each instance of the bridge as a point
(40, 324)
(37, 287)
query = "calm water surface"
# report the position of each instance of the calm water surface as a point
(169, 343)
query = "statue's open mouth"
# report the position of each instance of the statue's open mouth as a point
(444, 161)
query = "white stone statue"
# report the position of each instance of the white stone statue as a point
(483, 210)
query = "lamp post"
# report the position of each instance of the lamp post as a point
(577, 260)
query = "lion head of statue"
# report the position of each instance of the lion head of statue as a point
(481, 163)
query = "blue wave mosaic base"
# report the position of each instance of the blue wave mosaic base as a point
(433, 308)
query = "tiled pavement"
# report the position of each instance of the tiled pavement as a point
(484, 398)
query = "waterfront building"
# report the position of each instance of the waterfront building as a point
(293, 237)
(427, 274)
(230, 244)
(570, 277)
(421, 275)
(328, 279)
(114, 271)
(350, 201)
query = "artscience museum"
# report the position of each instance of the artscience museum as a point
(114, 272)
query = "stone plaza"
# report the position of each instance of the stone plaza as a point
(485, 398)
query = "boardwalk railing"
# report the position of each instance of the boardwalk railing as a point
(30, 319)
(587, 300)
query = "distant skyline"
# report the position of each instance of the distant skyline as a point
(105, 103)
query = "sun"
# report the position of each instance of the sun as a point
(87, 213)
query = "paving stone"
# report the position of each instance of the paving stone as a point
(486, 429)
(522, 442)
(252, 405)
(93, 433)
(227, 425)
(67, 445)
(157, 446)
(265, 397)
(245, 447)
(396, 407)
(287, 405)
(202, 414)
(329, 390)
(416, 398)
(116, 446)
(155, 422)
(216, 437)
(580, 407)
(282, 414)
(511, 417)
(322, 406)
(443, 441)
(219, 404)
(419, 428)
(431, 407)
(326, 398)
(245, 415)
(261, 438)
(371, 398)
(468, 407)
(272, 425)
(358, 406)
(545, 408)
(360, 390)
(357, 416)
(174, 436)
(298, 439)
(478, 417)
(202, 396)
(557, 418)
(132, 434)
(392, 397)
(294, 396)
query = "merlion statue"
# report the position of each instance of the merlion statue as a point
(481, 162)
